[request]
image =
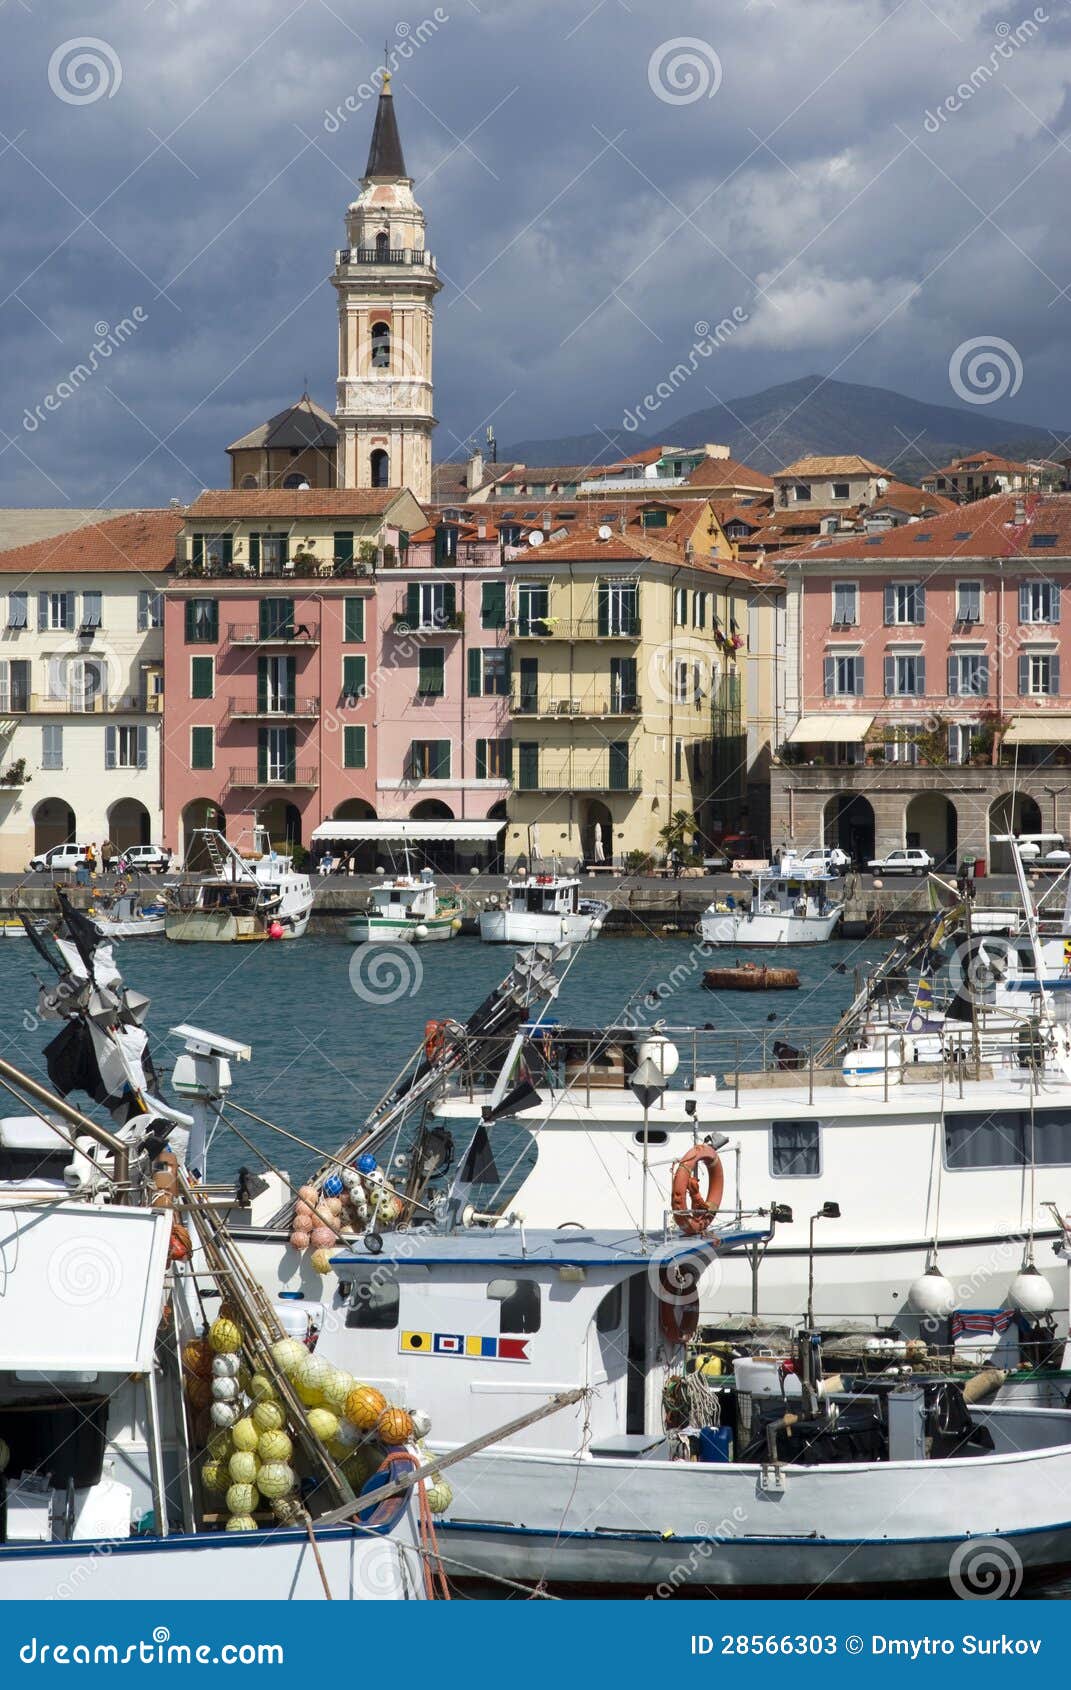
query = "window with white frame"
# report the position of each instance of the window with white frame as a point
(905, 604)
(680, 607)
(844, 675)
(801, 490)
(968, 601)
(905, 674)
(126, 747)
(1039, 674)
(845, 604)
(960, 738)
(968, 674)
(901, 743)
(699, 610)
(1039, 601)
(150, 610)
(55, 612)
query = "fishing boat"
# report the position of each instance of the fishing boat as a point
(788, 906)
(751, 977)
(123, 1471)
(406, 909)
(126, 916)
(636, 1472)
(541, 909)
(242, 898)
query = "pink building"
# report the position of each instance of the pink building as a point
(271, 640)
(441, 695)
(927, 664)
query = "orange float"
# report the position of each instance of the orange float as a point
(364, 1405)
(692, 1210)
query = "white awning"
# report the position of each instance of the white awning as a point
(1041, 727)
(843, 728)
(342, 832)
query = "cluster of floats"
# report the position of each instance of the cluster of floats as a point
(639, 1291)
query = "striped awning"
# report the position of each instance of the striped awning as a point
(842, 727)
(1040, 727)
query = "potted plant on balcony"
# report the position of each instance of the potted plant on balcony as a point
(15, 774)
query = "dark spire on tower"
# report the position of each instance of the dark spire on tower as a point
(385, 159)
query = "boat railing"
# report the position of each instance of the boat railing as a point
(592, 1065)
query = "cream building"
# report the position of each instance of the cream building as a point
(386, 284)
(81, 685)
(629, 694)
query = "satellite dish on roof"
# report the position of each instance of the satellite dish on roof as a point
(605, 531)
(535, 538)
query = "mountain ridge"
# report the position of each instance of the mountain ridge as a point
(815, 415)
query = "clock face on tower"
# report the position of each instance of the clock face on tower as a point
(386, 284)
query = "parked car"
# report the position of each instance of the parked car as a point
(58, 860)
(910, 860)
(146, 859)
(818, 860)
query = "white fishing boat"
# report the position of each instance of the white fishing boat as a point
(543, 909)
(648, 1477)
(242, 899)
(406, 909)
(788, 906)
(106, 1376)
(127, 916)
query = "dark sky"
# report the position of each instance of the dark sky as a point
(598, 177)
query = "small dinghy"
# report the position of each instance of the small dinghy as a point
(751, 977)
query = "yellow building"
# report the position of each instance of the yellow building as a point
(628, 702)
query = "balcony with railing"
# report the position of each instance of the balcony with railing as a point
(619, 625)
(274, 774)
(581, 702)
(274, 709)
(578, 774)
(416, 256)
(427, 621)
(77, 704)
(292, 633)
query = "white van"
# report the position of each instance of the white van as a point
(60, 859)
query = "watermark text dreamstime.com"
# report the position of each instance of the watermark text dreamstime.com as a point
(1007, 44)
(109, 339)
(708, 339)
(410, 37)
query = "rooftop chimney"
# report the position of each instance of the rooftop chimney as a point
(474, 474)
(1019, 515)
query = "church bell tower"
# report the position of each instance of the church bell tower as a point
(386, 285)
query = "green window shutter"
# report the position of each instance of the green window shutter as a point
(254, 551)
(353, 748)
(432, 671)
(201, 677)
(262, 683)
(262, 754)
(354, 618)
(213, 621)
(228, 550)
(493, 606)
(201, 748)
(344, 552)
(412, 604)
(111, 736)
(481, 759)
(528, 769)
(290, 682)
(619, 766)
(198, 551)
(191, 621)
(440, 763)
(475, 672)
(449, 601)
(604, 608)
(354, 675)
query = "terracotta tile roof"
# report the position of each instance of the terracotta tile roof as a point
(233, 505)
(980, 463)
(901, 495)
(544, 475)
(848, 464)
(22, 526)
(584, 546)
(727, 472)
(140, 541)
(986, 528)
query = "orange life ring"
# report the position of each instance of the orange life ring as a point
(180, 1249)
(678, 1303)
(434, 1039)
(692, 1211)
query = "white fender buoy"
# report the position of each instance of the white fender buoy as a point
(1030, 1292)
(932, 1294)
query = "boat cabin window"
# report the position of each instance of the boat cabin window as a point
(518, 1304)
(655, 1135)
(27, 1163)
(1003, 1139)
(373, 1305)
(795, 1149)
(608, 1314)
